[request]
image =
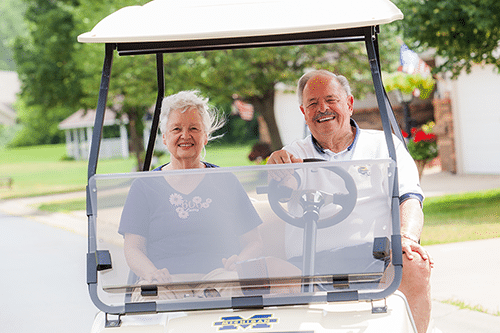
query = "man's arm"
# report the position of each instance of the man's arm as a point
(412, 221)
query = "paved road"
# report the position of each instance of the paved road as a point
(42, 278)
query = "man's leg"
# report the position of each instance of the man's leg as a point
(415, 285)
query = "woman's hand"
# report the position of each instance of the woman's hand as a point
(230, 263)
(410, 248)
(158, 276)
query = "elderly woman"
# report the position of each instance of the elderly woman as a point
(188, 225)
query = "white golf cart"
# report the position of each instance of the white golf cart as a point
(330, 256)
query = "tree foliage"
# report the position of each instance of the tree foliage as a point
(462, 32)
(60, 76)
(253, 73)
(50, 88)
(11, 25)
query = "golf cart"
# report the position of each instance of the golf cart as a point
(330, 256)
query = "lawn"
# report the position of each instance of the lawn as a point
(462, 217)
(41, 170)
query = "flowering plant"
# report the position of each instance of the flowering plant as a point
(423, 145)
(409, 83)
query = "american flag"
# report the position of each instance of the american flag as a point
(244, 109)
(411, 62)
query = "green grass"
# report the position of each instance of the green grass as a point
(462, 217)
(463, 305)
(63, 206)
(41, 170)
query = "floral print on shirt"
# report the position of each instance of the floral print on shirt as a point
(184, 207)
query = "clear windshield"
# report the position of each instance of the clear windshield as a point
(190, 236)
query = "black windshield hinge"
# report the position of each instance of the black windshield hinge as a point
(247, 302)
(342, 296)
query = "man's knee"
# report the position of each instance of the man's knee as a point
(416, 273)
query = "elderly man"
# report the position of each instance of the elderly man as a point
(327, 104)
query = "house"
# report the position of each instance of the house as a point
(9, 87)
(79, 126)
(468, 116)
(78, 129)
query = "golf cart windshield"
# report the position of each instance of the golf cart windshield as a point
(241, 237)
(312, 232)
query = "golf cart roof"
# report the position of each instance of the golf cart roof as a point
(167, 20)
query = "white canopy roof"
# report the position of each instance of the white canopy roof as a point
(174, 20)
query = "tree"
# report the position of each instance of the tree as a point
(50, 88)
(11, 25)
(462, 32)
(132, 89)
(60, 75)
(253, 73)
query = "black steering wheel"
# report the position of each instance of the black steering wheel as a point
(313, 200)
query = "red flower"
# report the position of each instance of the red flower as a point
(419, 136)
(422, 136)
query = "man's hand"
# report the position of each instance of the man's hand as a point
(410, 248)
(282, 157)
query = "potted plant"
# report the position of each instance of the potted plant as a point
(422, 146)
(409, 84)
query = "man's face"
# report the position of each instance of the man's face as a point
(326, 106)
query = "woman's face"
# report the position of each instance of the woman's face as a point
(185, 136)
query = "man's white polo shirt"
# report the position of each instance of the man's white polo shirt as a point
(367, 144)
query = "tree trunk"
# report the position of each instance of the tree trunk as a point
(136, 137)
(265, 107)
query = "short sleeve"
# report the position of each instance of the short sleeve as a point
(135, 214)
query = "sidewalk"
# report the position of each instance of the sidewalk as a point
(465, 272)
(469, 273)
(436, 183)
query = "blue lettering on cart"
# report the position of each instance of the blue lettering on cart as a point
(256, 321)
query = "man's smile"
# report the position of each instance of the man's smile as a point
(321, 118)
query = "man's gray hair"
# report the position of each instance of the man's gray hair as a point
(307, 76)
(183, 100)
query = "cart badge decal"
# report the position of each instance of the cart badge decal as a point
(256, 321)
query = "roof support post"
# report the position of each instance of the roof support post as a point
(388, 120)
(160, 76)
(100, 110)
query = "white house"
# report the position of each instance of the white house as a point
(78, 128)
(475, 103)
(9, 87)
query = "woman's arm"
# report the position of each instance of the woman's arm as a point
(252, 248)
(139, 263)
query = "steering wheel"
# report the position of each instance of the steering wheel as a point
(313, 200)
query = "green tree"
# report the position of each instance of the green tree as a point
(50, 88)
(250, 73)
(11, 25)
(253, 73)
(462, 32)
(60, 75)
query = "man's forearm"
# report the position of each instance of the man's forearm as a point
(412, 219)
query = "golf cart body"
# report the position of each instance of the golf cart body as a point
(329, 256)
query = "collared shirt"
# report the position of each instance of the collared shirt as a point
(367, 144)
